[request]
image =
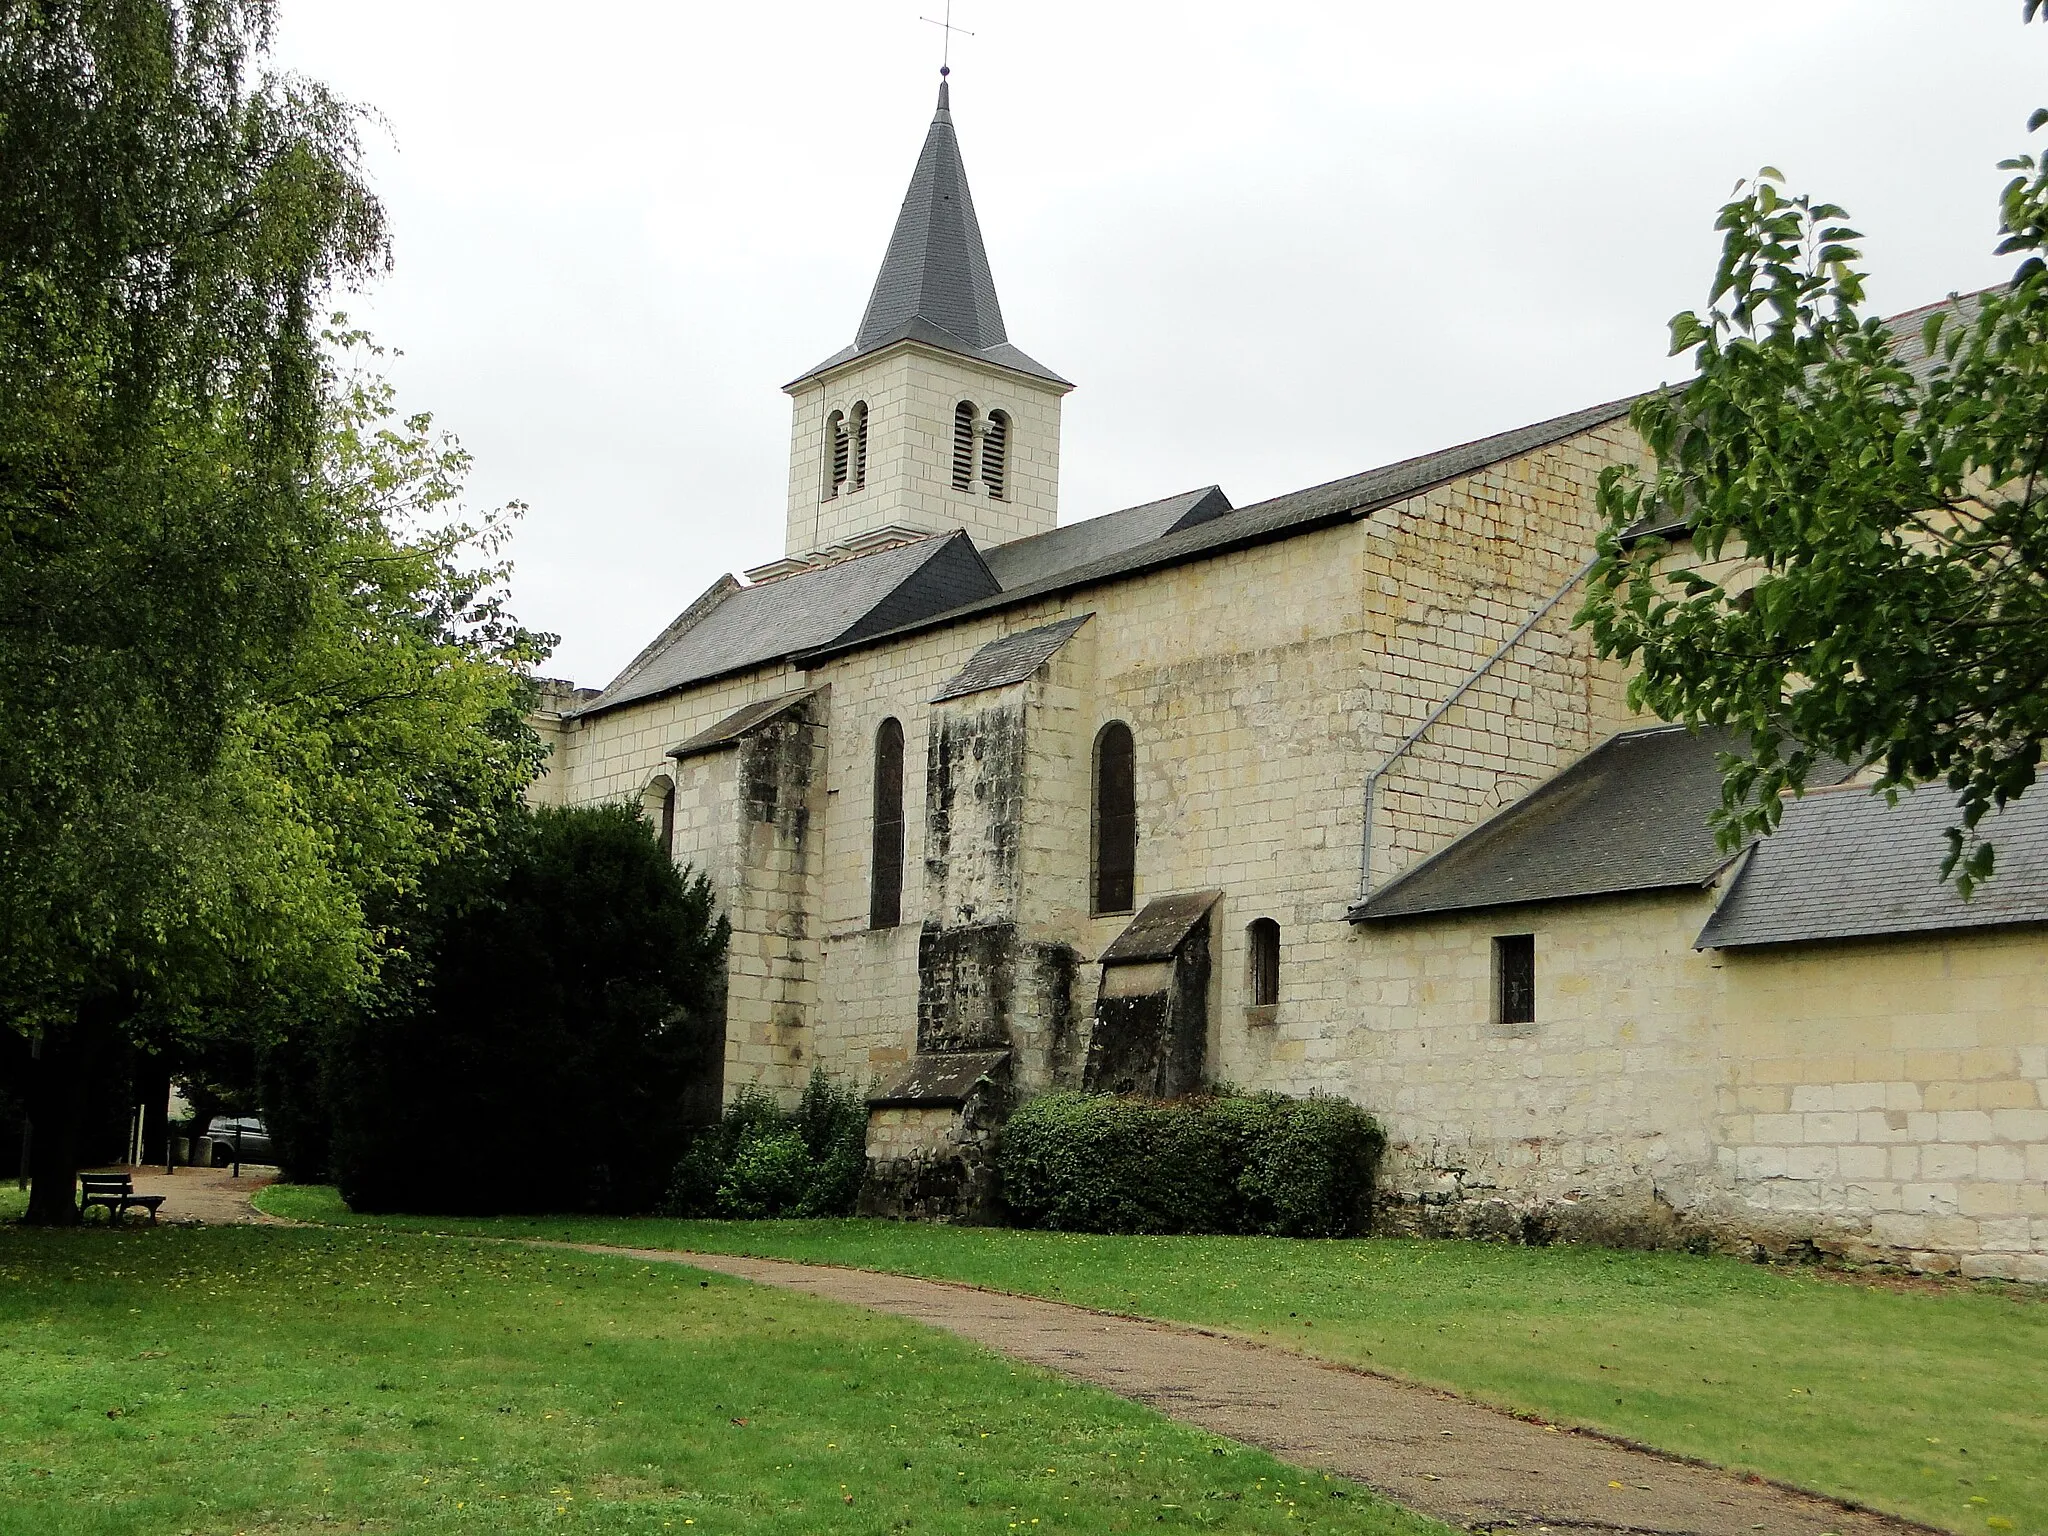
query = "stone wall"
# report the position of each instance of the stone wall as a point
(1892, 1096)
(1879, 1099)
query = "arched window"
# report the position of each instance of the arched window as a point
(995, 453)
(860, 444)
(963, 446)
(1116, 819)
(658, 804)
(885, 878)
(836, 446)
(1262, 944)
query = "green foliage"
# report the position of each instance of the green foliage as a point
(546, 1036)
(761, 1160)
(257, 676)
(1261, 1163)
(1891, 593)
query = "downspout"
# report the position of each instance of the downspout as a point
(1372, 780)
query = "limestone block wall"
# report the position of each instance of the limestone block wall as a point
(1596, 1120)
(910, 392)
(1892, 1096)
(614, 755)
(1460, 568)
(772, 961)
(1876, 1099)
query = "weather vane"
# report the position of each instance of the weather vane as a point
(946, 52)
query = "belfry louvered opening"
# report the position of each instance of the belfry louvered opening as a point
(835, 437)
(885, 869)
(963, 445)
(995, 454)
(860, 444)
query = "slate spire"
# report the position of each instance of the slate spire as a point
(936, 270)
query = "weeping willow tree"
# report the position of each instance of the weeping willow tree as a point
(250, 680)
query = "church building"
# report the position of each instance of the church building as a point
(1323, 793)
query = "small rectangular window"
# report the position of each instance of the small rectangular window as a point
(1514, 979)
(1262, 944)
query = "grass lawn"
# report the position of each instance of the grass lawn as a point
(279, 1380)
(1931, 1405)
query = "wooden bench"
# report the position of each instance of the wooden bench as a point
(115, 1191)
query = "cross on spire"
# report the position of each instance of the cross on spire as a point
(946, 50)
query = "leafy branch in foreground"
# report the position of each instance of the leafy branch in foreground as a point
(1868, 515)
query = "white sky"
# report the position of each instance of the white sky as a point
(1271, 244)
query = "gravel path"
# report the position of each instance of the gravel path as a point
(212, 1196)
(1440, 1455)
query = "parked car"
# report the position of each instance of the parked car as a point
(219, 1146)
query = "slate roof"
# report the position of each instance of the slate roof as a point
(1158, 932)
(1284, 516)
(944, 1078)
(775, 619)
(1010, 659)
(935, 286)
(1631, 815)
(1844, 864)
(737, 724)
(1023, 561)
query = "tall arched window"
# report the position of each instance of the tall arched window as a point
(1116, 819)
(885, 878)
(995, 454)
(1262, 943)
(835, 448)
(860, 444)
(658, 804)
(963, 445)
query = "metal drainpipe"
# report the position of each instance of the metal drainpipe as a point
(1372, 780)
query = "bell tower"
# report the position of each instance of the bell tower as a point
(930, 420)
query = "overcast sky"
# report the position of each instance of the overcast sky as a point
(1271, 244)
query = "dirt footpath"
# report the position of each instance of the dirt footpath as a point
(1437, 1454)
(199, 1195)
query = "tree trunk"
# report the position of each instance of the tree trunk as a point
(59, 1089)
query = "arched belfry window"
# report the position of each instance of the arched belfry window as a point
(835, 452)
(860, 444)
(885, 877)
(1262, 962)
(995, 454)
(963, 446)
(1116, 819)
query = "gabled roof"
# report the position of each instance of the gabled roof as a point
(1629, 816)
(1845, 865)
(935, 285)
(1023, 561)
(776, 619)
(1283, 517)
(1010, 659)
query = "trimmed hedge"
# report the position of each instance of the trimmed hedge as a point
(1257, 1164)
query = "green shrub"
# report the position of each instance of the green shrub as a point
(558, 984)
(1259, 1163)
(761, 1160)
